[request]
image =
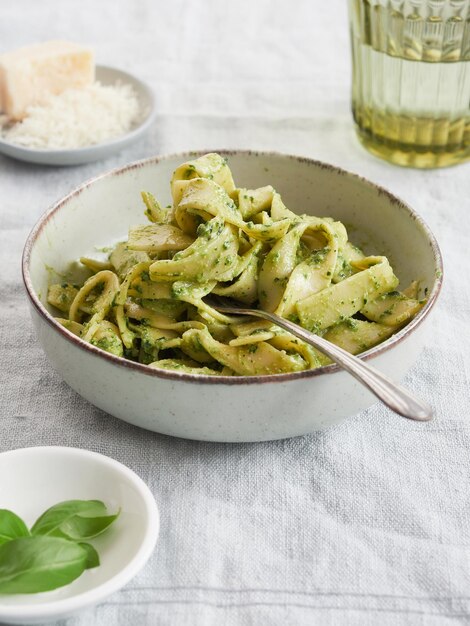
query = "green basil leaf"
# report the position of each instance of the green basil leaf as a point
(35, 564)
(78, 527)
(93, 559)
(11, 526)
(51, 520)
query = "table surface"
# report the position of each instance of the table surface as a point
(365, 523)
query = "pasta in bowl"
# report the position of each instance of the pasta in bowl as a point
(146, 301)
(136, 313)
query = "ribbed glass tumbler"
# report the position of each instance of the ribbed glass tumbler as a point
(411, 79)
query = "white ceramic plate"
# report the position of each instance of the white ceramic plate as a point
(41, 477)
(106, 76)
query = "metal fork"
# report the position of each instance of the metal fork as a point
(390, 393)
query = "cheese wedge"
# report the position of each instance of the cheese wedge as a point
(31, 74)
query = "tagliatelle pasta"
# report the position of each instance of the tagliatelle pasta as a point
(146, 303)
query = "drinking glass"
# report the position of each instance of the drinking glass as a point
(411, 79)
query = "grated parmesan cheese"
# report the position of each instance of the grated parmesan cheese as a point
(77, 118)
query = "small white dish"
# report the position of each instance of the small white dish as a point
(106, 76)
(41, 477)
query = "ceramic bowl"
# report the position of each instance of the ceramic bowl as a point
(227, 408)
(41, 477)
(77, 156)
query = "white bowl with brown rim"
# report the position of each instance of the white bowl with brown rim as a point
(220, 408)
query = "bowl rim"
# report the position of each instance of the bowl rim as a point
(228, 380)
(144, 123)
(96, 594)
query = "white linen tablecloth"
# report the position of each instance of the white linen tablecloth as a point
(367, 523)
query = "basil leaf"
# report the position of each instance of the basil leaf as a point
(79, 527)
(93, 559)
(11, 526)
(35, 564)
(51, 520)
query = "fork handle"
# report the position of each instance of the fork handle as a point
(390, 393)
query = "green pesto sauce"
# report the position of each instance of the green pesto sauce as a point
(109, 343)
